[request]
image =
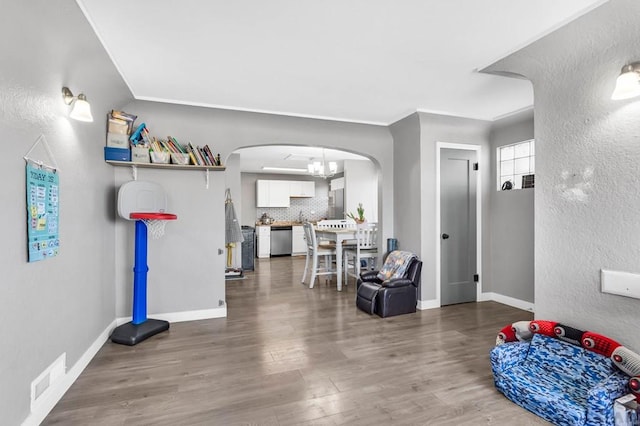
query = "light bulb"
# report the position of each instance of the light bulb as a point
(627, 84)
(81, 110)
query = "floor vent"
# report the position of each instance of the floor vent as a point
(46, 379)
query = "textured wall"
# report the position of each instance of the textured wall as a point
(587, 154)
(512, 217)
(64, 303)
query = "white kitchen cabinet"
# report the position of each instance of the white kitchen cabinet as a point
(302, 188)
(279, 193)
(298, 243)
(262, 193)
(336, 184)
(272, 193)
(263, 234)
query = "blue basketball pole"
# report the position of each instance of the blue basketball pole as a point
(140, 269)
(140, 327)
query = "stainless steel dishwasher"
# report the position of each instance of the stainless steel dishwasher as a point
(281, 240)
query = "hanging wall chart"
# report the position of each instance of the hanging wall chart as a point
(43, 196)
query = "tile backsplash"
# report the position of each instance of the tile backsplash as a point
(313, 209)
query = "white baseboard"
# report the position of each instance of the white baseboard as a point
(202, 314)
(428, 304)
(58, 389)
(495, 297)
(506, 300)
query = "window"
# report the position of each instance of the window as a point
(515, 162)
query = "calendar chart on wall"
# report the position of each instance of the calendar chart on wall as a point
(42, 212)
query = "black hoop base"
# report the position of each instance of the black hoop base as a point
(131, 334)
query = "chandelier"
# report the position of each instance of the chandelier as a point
(322, 169)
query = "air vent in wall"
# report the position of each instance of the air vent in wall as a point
(46, 379)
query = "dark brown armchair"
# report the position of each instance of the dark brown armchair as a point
(394, 296)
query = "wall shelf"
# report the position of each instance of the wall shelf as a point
(164, 166)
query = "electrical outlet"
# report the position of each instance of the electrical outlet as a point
(620, 283)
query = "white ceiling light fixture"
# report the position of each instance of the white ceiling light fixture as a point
(283, 169)
(628, 82)
(81, 110)
(322, 169)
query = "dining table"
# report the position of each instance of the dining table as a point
(339, 235)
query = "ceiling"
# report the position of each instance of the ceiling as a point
(368, 61)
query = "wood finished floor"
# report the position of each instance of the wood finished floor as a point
(290, 355)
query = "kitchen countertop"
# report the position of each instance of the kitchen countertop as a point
(281, 223)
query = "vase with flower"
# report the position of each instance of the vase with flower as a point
(359, 218)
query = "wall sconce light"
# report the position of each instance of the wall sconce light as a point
(628, 82)
(81, 110)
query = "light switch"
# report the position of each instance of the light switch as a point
(620, 283)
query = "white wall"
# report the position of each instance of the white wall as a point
(512, 220)
(361, 186)
(63, 304)
(587, 156)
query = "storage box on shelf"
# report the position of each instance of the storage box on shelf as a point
(116, 154)
(180, 158)
(118, 140)
(159, 157)
(140, 154)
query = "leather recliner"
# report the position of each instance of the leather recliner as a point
(395, 296)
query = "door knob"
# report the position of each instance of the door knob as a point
(445, 236)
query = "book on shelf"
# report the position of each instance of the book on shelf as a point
(121, 118)
(211, 156)
(123, 115)
(192, 155)
(204, 155)
(196, 153)
(174, 142)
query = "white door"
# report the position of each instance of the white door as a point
(458, 226)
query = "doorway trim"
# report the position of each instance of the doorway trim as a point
(467, 147)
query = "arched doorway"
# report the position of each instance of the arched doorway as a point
(355, 180)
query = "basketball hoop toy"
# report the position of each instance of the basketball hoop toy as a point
(155, 222)
(143, 202)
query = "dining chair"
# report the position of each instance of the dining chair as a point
(337, 223)
(314, 251)
(365, 248)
